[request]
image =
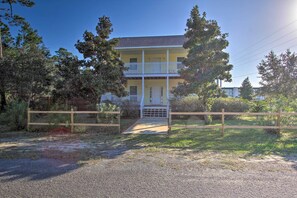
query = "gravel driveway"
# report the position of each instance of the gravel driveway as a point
(67, 166)
(142, 174)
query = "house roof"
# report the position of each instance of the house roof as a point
(175, 40)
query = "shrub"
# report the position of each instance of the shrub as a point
(258, 106)
(103, 107)
(15, 116)
(129, 109)
(55, 119)
(187, 104)
(229, 105)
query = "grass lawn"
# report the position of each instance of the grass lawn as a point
(236, 141)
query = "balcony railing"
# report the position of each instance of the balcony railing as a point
(153, 68)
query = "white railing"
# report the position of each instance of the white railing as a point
(133, 68)
(153, 68)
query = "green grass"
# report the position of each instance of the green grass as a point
(235, 141)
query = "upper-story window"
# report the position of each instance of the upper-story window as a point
(179, 61)
(133, 64)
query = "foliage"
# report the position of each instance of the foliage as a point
(15, 116)
(206, 60)
(67, 78)
(279, 75)
(102, 108)
(27, 66)
(188, 104)
(55, 119)
(129, 109)
(246, 89)
(8, 19)
(103, 70)
(258, 106)
(229, 105)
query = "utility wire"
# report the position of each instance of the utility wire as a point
(262, 46)
(268, 36)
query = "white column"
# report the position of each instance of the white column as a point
(142, 62)
(167, 58)
(167, 81)
(142, 85)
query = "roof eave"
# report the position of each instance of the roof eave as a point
(147, 47)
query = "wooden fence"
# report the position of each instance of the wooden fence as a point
(72, 124)
(223, 114)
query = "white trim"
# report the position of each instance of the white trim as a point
(151, 75)
(146, 47)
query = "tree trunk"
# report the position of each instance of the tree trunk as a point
(207, 118)
(3, 100)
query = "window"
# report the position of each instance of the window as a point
(133, 93)
(133, 64)
(179, 61)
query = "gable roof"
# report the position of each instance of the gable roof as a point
(175, 40)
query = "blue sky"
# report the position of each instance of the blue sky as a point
(255, 26)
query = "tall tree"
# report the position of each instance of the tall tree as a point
(279, 74)
(7, 19)
(7, 16)
(104, 70)
(246, 89)
(30, 67)
(206, 60)
(68, 75)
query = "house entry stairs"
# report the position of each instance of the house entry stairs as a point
(154, 112)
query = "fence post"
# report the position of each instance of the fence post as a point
(169, 121)
(223, 122)
(28, 119)
(72, 120)
(119, 118)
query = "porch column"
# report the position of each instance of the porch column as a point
(167, 81)
(142, 86)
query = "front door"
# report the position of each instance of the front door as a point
(156, 95)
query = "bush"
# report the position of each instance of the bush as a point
(229, 105)
(103, 107)
(15, 116)
(187, 104)
(55, 119)
(129, 109)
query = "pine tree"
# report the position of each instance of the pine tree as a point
(279, 75)
(206, 61)
(104, 71)
(246, 89)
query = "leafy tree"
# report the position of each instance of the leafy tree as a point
(35, 69)
(103, 68)
(30, 68)
(7, 19)
(206, 61)
(246, 89)
(68, 75)
(279, 75)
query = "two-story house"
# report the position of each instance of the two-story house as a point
(153, 63)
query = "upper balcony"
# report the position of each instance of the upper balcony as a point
(157, 69)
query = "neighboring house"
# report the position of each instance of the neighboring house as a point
(153, 63)
(234, 92)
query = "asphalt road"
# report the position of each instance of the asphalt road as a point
(139, 177)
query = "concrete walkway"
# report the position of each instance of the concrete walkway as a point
(148, 126)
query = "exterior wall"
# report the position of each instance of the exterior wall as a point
(173, 83)
(137, 83)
